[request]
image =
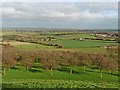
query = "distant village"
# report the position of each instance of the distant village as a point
(102, 36)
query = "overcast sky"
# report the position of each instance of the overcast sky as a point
(83, 15)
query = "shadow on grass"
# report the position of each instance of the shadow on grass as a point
(65, 69)
(7, 86)
(37, 66)
(15, 68)
(103, 72)
(35, 70)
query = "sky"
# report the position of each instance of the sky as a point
(59, 0)
(82, 15)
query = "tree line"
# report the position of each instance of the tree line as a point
(52, 60)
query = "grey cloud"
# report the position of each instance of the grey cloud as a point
(61, 14)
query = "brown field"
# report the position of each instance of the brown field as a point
(15, 43)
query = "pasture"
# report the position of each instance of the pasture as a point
(33, 46)
(36, 78)
(71, 44)
(62, 73)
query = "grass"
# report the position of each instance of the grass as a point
(33, 83)
(68, 48)
(82, 35)
(32, 46)
(68, 44)
(93, 50)
(71, 44)
(39, 78)
(78, 74)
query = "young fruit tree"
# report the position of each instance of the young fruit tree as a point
(113, 65)
(102, 62)
(69, 59)
(48, 60)
(113, 56)
(27, 59)
(8, 59)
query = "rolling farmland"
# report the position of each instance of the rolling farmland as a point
(59, 60)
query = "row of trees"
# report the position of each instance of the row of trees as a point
(32, 40)
(56, 59)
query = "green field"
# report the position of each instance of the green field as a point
(72, 45)
(16, 76)
(33, 46)
(83, 44)
(40, 83)
(71, 36)
(78, 74)
(69, 44)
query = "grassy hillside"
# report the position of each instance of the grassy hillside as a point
(63, 73)
(37, 54)
(39, 78)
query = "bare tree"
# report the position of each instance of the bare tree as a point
(113, 65)
(102, 62)
(69, 59)
(48, 60)
(8, 59)
(27, 59)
